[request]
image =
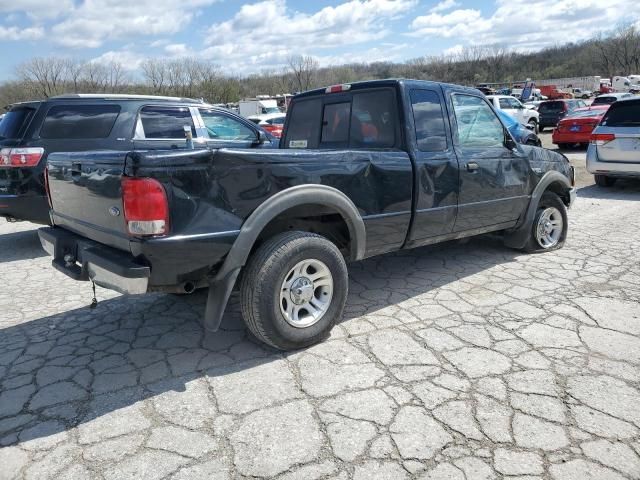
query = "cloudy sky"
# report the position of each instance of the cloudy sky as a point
(245, 36)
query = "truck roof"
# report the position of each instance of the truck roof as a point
(391, 82)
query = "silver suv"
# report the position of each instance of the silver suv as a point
(614, 150)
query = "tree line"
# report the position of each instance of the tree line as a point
(617, 53)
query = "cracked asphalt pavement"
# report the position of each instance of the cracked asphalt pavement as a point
(462, 361)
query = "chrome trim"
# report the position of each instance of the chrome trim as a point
(110, 280)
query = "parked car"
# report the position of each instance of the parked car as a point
(581, 93)
(552, 111)
(273, 123)
(614, 151)
(363, 169)
(609, 98)
(577, 127)
(521, 133)
(516, 109)
(31, 131)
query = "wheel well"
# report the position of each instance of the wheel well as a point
(560, 190)
(312, 218)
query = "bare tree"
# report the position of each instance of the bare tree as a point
(46, 74)
(303, 68)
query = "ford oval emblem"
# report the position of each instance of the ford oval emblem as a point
(115, 211)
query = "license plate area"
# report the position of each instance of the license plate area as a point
(574, 128)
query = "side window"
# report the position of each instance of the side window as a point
(429, 121)
(166, 122)
(504, 103)
(335, 123)
(373, 121)
(477, 124)
(303, 130)
(223, 127)
(79, 121)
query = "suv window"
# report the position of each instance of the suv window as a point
(223, 127)
(623, 114)
(15, 121)
(166, 122)
(477, 125)
(373, 120)
(551, 107)
(79, 121)
(429, 121)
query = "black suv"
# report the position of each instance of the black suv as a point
(551, 111)
(30, 131)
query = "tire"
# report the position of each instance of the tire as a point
(604, 181)
(540, 129)
(585, 96)
(532, 121)
(273, 316)
(548, 201)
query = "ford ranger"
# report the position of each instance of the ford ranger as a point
(362, 169)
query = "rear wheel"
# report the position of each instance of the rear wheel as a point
(293, 290)
(604, 181)
(549, 228)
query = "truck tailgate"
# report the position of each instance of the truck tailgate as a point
(86, 195)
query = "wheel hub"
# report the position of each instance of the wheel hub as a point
(301, 290)
(549, 228)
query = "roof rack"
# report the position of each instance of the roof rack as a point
(125, 96)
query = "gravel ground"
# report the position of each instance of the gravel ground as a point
(462, 361)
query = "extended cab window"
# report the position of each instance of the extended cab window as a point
(166, 122)
(429, 121)
(478, 125)
(79, 121)
(222, 127)
(373, 121)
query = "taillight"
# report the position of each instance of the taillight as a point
(602, 138)
(345, 87)
(21, 157)
(146, 209)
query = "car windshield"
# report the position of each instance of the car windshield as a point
(604, 100)
(587, 113)
(551, 107)
(267, 110)
(14, 122)
(623, 114)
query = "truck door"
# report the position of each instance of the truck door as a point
(493, 179)
(436, 180)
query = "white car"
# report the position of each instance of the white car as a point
(516, 109)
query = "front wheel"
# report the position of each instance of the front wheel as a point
(550, 224)
(293, 290)
(534, 124)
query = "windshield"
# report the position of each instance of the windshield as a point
(14, 122)
(603, 100)
(587, 113)
(623, 114)
(551, 107)
(267, 110)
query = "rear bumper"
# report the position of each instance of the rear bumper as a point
(573, 137)
(83, 259)
(33, 208)
(610, 169)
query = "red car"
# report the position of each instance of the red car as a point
(577, 127)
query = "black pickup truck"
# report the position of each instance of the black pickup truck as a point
(362, 169)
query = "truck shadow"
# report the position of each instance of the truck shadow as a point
(77, 367)
(20, 246)
(623, 189)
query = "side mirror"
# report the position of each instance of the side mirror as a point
(261, 138)
(509, 142)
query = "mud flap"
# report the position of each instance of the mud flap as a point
(219, 293)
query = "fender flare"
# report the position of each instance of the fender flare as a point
(518, 237)
(224, 280)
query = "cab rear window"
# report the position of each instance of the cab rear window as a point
(14, 123)
(79, 121)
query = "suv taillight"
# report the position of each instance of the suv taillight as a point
(146, 209)
(21, 157)
(602, 138)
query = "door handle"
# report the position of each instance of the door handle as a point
(472, 166)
